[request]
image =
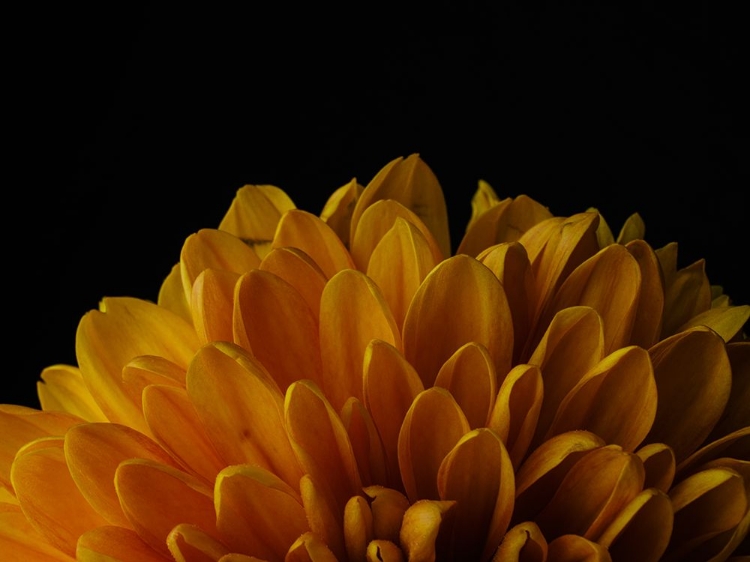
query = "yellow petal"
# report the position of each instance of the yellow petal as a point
(309, 548)
(736, 414)
(574, 548)
(305, 231)
(48, 496)
(155, 498)
(241, 411)
(172, 294)
(211, 304)
(325, 517)
(384, 551)
(660, 465)
(542, 472)
(390, 384)
(273, 321)
(366, 443)
(399, 264)
(483, 200)
(667, 256)
(412, 183)
(388, 507)
(257, 512)
(188, 543)
(357, 528)
(625, 421)
(353, 312)
(432, 427)
(114, 544)
(478, 475)
(254, 213)
(522, 543)
(146, 370)
(469, 375)
(175, 425)
(62, 389)
(125, 328)
(693, 380)
(632, 229)
(603, 231)
(338, 209)
(93, 451)
(727, 321)
(642, 529)
(20, 542)
(687, 295)
(516, 410)
(460, 301)
(420, 529)
(647, 325)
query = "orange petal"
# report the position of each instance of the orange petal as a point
(460, 301)
(338, 209)
(188, 543)
(48, 495)
(432, 427)
(324, 516)
(273, 321)
(574, 548)
(659, 463)
(625, 421)
(478, 475)
(412, 183)
(543, 471)
(305, 231)
(420, 529)
(114, 544)
(146, 370)
(390, 385)
(483, 200)
(125, 328)
(211, 304)
(93, 451)
(172, 294)
(522, 543)
(388, 507)
(399, 264)
(21, 542)
(242, 411)
(366, 443)
(384, 551)
(299, 270)
(353, 312)
(736, 414)
(257, 512)
(687, 295)
(693, 381)
(516, 410)
(155, 498)
(254, 214)
(309, 548)
(357, 528)
(175, 425)
(648, 316)
(62, 389)
(642, 529)
(727, 321)
(469, 375)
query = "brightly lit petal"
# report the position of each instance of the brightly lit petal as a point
(114, 544)
(63, 389)
(338, 209)
(187, 543)
(421, 527)
(211, 304)
(20, 542)
(522, 543)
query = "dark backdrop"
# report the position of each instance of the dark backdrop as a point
(137, 127)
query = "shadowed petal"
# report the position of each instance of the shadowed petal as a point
(648, 316)
(187, 543)
(388, 507)
(309, 548)
(736, 414)
(420, 529)
(735, 445)
(688, 293)
(727, 321)
(114, 544)
(660, 465)
(18, 537)
(574, 548)
(366, 443)
(522, 543)
(324, 515)
(357, 528)
(633, 229)
(384, 551)
(483, 200)
(62, 389)
(172, 294)
(337, 212)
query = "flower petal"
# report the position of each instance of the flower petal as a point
(338, 209)
(735, 445)
(460, 301)
(483, 200)
(727, 321)
(522, 543)
(353, 312)
(660, 465)
(325, 517)
(257, 512)
(384, 551)
(366, 443)
(574, 548)
(693, 381)
(114, 544)
(736, 414)
(21, 542)
(388, 507)
(211, 304)
(172, 294)
(432, 427)
(647, 325)
(188, 543)
(688, 293)
(62, 389)
(420, 528)
(309, 548)
(146, 370)
(357, 528)
(469, 375)
(477, 473)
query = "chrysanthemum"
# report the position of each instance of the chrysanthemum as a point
(339, 387)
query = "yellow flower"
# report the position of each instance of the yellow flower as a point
(339, 387)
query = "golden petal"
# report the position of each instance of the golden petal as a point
(125, 328)
(483, 200)
(432, 427)
(62, 389)
(366, 443)
(384, 551)
(254, 214)
(460, 301)
(114, 544)
(736, 414)
(516, 410)
(309, 548)
(388, 507)
(155, 498)
(667, 256)
(626, 374)
(522, 543)
(469, 375)
(477, 473)
(603, 231)
(299, 270)
(593, 492)
(338, 209)
(574, 548)
(642, 529)
(241, 411)
(412, 183)
(357, 528)
(727, 321)
(305, 231)
(390, 385)
(274, 322)
(93, 451)
(211, 304)
(175, 425)
(735, 445)
(693, 381)
(399, 264)
(660, 465)
(172, 294)
(632, 229)
(257, 512)
(48, 495)
(543, 471)
(237, 557)
(325, 517)
(572, 345)
(647, 325)
(687, 295)
(420, 528)
(188, 543)
(353, 312)
(21, 542)
(146, 370)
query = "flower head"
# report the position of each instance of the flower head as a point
(341, 387)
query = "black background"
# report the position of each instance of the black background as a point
(132, 129)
